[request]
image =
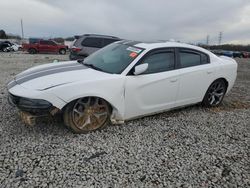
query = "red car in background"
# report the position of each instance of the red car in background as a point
(45, 46)
(246, 54)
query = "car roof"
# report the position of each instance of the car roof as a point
(162, 44)
(99, 36)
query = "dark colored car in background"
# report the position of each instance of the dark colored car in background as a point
(4, 46)
(237, 54)
(233, 54)
(87, 44)
(228, 53)
(45, 46)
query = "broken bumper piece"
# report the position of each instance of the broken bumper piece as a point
(33, 111)
(27, 104)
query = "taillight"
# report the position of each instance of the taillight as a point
(75, 49)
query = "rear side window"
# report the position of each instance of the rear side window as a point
(108, 41)
(160, 62)
(189, 58)
(51, 43)
(92, 42)
(204, 59)
(44, 42)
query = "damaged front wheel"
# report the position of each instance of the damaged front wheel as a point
(87, 114)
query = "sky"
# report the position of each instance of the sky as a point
(183, 20)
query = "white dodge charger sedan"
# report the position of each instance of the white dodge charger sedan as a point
(122, 81)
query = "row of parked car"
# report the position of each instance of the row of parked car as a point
(83, 46)
(233, 54)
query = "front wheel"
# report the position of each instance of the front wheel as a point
(87, 114)
(215, 94)
(32, 51)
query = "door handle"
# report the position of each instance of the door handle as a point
(209, 72)
(174, 80)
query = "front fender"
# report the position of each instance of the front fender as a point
(111, 90)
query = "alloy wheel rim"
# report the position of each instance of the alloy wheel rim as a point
(216, 93)
(90, 113)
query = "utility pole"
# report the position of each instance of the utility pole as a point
(22, 28)
(208, 38)
(220, 37)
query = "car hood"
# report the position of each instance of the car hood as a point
(51, 75)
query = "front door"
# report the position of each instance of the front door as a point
(52, 46)
(43, 46)
(155, 90)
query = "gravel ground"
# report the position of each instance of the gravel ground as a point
(191, 147)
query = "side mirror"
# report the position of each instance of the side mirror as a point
(139, 69)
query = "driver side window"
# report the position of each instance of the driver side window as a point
(159, 62)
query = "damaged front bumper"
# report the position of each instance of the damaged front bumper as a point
(33, 111)
(27, 104)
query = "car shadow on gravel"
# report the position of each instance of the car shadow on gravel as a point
(55, 126)
(231, 105)
(226, 106)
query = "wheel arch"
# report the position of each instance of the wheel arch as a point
(220, 78)
(224, 80)
(111, 104)
(32, 48)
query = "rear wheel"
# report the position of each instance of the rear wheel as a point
(87, 114)
(32, 51)
(215, 94)
(62, 51)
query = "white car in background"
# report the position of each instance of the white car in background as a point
(122, 81)
(15, 47)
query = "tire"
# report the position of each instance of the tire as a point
(5, 50)
(32, 51)
(62, 51)
(215, 93)
(87, 114)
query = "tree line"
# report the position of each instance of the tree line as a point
(229, 47)
(4, 35)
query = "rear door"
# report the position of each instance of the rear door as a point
(196, 74)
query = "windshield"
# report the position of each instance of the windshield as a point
(113, 58)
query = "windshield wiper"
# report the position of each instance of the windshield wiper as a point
(81, 61)
(93, 67)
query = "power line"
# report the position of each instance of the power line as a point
(22, 28)
(208, 39)
(220, 37)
